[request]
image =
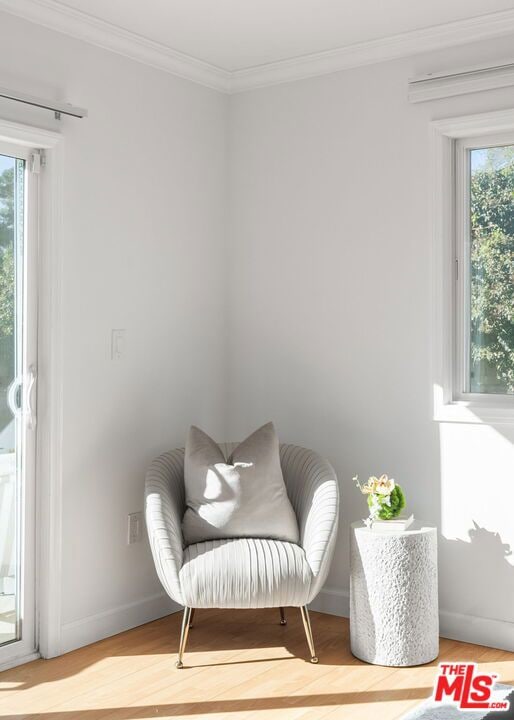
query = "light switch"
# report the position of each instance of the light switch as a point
(117, 344)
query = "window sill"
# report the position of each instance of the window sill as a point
(477, 413)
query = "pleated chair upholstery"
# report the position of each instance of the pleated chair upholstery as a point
(246, 572)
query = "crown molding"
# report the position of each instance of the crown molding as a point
(394, 47)
(56, 16)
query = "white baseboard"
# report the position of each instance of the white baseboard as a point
(332, 601)
(478, 630)
(111, 622)
(454, 626)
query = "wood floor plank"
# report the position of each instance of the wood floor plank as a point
(240, 633)
(240, 665)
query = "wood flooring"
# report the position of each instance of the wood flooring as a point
(238, 664)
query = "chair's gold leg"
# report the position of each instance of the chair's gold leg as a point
(191, 618)
(186, 619)
(308, 632)
(283, 620)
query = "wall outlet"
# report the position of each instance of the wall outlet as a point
(135, 528)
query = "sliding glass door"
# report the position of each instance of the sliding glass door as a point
(18, 345)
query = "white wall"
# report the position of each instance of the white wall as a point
(144, 184)
(331, 315)
(327, 289)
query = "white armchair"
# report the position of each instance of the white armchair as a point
(246, 572)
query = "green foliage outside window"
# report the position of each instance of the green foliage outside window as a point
(492, 270)
(7, 289)
(7, 253)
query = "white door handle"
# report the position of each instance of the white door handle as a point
(12, 394)
(31, 381)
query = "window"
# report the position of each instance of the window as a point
(12, 196)
(19, 218)
(485, 266)
(473, 246)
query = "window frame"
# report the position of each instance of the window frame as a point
(48, 501)
(462, 205)
(450, 142)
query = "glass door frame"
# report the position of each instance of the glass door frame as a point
(50, 632)
(26, 298)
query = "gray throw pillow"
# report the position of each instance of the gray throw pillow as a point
(244, 496)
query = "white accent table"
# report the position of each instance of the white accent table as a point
(394, 618)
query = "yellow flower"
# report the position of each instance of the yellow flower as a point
(376, 486)
(369, 487)
(384, 485)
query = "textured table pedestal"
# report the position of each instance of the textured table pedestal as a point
(394, 617)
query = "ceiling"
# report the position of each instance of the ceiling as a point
(238, 34)
(232, 45)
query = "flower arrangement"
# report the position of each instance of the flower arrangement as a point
(386, 499)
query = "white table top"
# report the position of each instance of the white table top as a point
(418, 527)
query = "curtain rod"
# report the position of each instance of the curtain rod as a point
(59, 108)
(460, 73)
(475, 79)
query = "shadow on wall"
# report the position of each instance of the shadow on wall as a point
(482, 571)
